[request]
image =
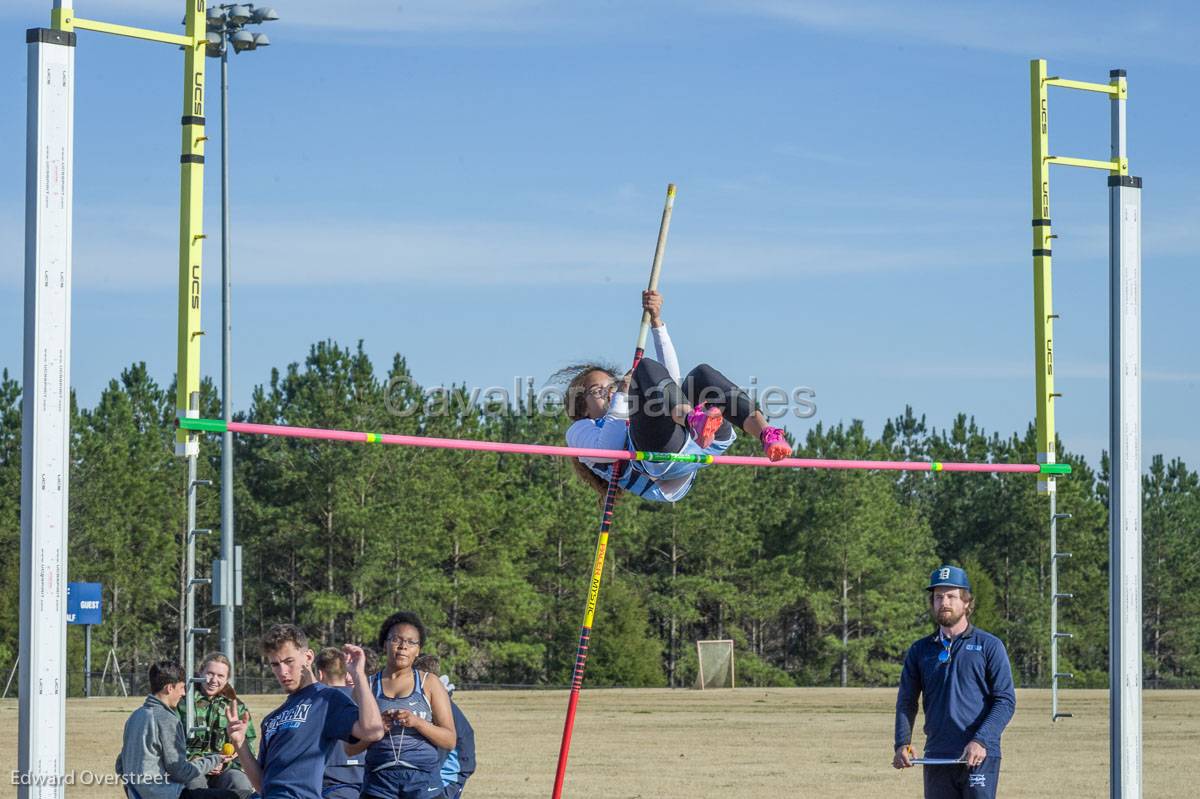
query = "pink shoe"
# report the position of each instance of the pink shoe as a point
(775, 445)
(703, 423)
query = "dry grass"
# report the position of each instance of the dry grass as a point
(749, 742)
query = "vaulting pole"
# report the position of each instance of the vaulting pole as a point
(610, 501)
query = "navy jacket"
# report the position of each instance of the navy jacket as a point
(459, 763)
(969, 698)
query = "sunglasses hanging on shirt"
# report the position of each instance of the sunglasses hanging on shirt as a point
(944, 655)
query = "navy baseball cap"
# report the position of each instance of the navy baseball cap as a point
(949, 577)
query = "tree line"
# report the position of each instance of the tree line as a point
(817, 576)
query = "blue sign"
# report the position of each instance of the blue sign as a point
(83, 603)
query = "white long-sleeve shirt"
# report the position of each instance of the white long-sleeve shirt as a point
(666, 351)
(609, 432)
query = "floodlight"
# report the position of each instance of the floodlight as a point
(239, 15)
(215, 44)
(242, 40)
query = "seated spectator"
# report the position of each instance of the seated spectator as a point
(153, 763)
(212, 695)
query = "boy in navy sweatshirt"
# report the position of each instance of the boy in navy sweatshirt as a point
(298, 736)
(963, 675)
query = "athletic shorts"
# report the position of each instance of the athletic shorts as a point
(404, 783)
(341, 790)
(960, 782)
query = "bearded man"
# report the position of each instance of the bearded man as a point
(964, 678)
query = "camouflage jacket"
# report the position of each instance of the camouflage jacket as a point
(210, 714)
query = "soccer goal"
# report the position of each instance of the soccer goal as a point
(715, 664)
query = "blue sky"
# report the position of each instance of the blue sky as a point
(477, 185)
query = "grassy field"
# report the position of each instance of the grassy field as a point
(802, 742)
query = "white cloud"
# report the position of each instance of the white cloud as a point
(1022, 370)
(323, 17)
(490, 16)
(117, 247)
(801, 153)
(1030, 29)
(1164, 32)
(1174, 233)
(125, 246)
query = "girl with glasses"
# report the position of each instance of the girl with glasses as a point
(416, 711)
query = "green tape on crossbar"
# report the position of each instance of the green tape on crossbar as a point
(202, 425)
(672, 457)
(1054, 468)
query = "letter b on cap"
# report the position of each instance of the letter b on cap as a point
(944, 574)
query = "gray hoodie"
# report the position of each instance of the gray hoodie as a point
(153, 757)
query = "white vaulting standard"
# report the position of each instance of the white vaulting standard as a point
(46, 423)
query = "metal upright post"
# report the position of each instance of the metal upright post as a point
(189, 621)
(1055, 597)
(1125, 487)
(226, 562)
(191, 251)
(87, 660)
(190, 628)
(46, 412)
(227, 28)
(1053, 608)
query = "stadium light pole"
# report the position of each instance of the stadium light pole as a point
(226, 28)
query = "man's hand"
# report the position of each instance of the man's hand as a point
(974, 754)
(235, 730)
(652, 302)
(356, 662)
(903, 758)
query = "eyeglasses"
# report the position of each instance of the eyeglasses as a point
(403, 643)
(598, 391)
(944, 655)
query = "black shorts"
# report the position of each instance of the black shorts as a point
(961, 782)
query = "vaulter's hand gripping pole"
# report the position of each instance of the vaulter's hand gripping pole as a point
(610, 499)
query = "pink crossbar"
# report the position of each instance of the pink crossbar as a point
(610, 454)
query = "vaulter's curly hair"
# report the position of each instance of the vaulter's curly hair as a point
(575, 403)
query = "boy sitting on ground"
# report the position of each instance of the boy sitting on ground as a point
(153, 763)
